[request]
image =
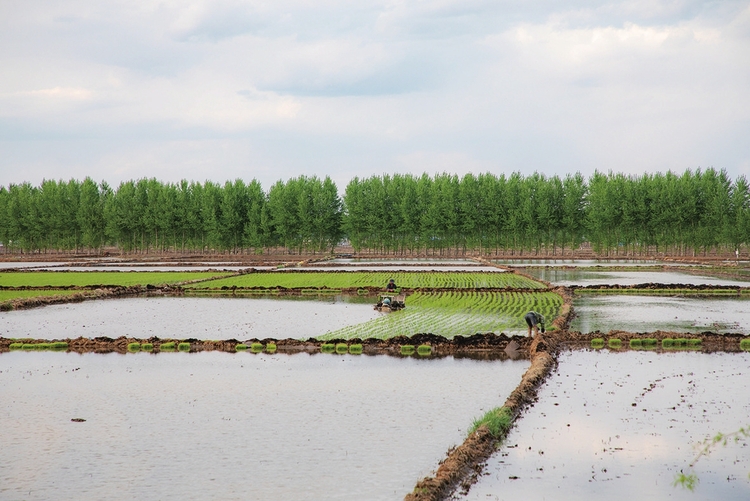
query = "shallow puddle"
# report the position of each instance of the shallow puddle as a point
(190, 317)
(595, 277)
(622, 426)
(180, 426)
(649, 313)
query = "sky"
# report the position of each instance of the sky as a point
(271, 90)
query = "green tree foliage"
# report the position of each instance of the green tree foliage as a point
(690, 213)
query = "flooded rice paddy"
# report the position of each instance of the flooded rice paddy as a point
(621, 426)
(190, 317)
(596, 277)
(234, 426)
(649, 313)
(577, 262)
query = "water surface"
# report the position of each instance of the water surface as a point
(189, 317)
(650, 313)
(178, 426)
(621, 426)
(596, 277)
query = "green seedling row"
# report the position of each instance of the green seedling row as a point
(56, 345)
(84, 278)
(411, 280)
(456, 313)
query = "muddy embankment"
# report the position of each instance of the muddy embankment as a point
(479, 346)
(464, 463)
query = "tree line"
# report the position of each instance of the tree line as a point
(693, 212)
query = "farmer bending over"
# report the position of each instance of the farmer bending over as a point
(532, 320)
(391, 287)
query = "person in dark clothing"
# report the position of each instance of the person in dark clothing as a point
(391, 287)
(534, 320)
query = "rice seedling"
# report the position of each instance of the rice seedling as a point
(636, 343)
(83, 278)
(745, 344)
(134, 347)
(597, 343)
(256, 347)
(328, 347)
(29, 346)
(240, 347)
(59, 345)
(341, 348)
(8, 295)
(681, 341)
(649, 342)
(694, 342)
(355, 349)
(168, 346)
(183, 346)
(18, 346)
(407, 279)
(667, 342)
(407, 349)
(455, 313)
(497, 421)
(271, 347)
(614, 343)
(147, 347)
(424, 350)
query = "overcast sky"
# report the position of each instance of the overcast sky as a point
(220, 89)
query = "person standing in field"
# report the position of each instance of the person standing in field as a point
(391, 287)
(534, 320)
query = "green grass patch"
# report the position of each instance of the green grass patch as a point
(614, 343)
(411, 280)
(83, 278)
(407, 349)
(134, 347)
(456, 313)
(636, 343)
(10, 295)
(328, 348)
(342, 348)
(597, 343)
(147, 347)
(240, 347)
(424, 349)
(355, 349)
(497, 421)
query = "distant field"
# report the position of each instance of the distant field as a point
(58, 279)
(8, 295)
(457, 313)
(412, 280)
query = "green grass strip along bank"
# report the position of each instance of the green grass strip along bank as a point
(85, 278)
(411, 280)
(456, 313)
(10, 295)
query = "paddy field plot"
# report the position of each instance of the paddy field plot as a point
(621, 426)
(457, 313)
(635, 313)
(181, 426)
(627, 277)
(7, 295)
(189, 317)
(85, 278)
(338, 280)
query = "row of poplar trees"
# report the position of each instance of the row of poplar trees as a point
(693, 212)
